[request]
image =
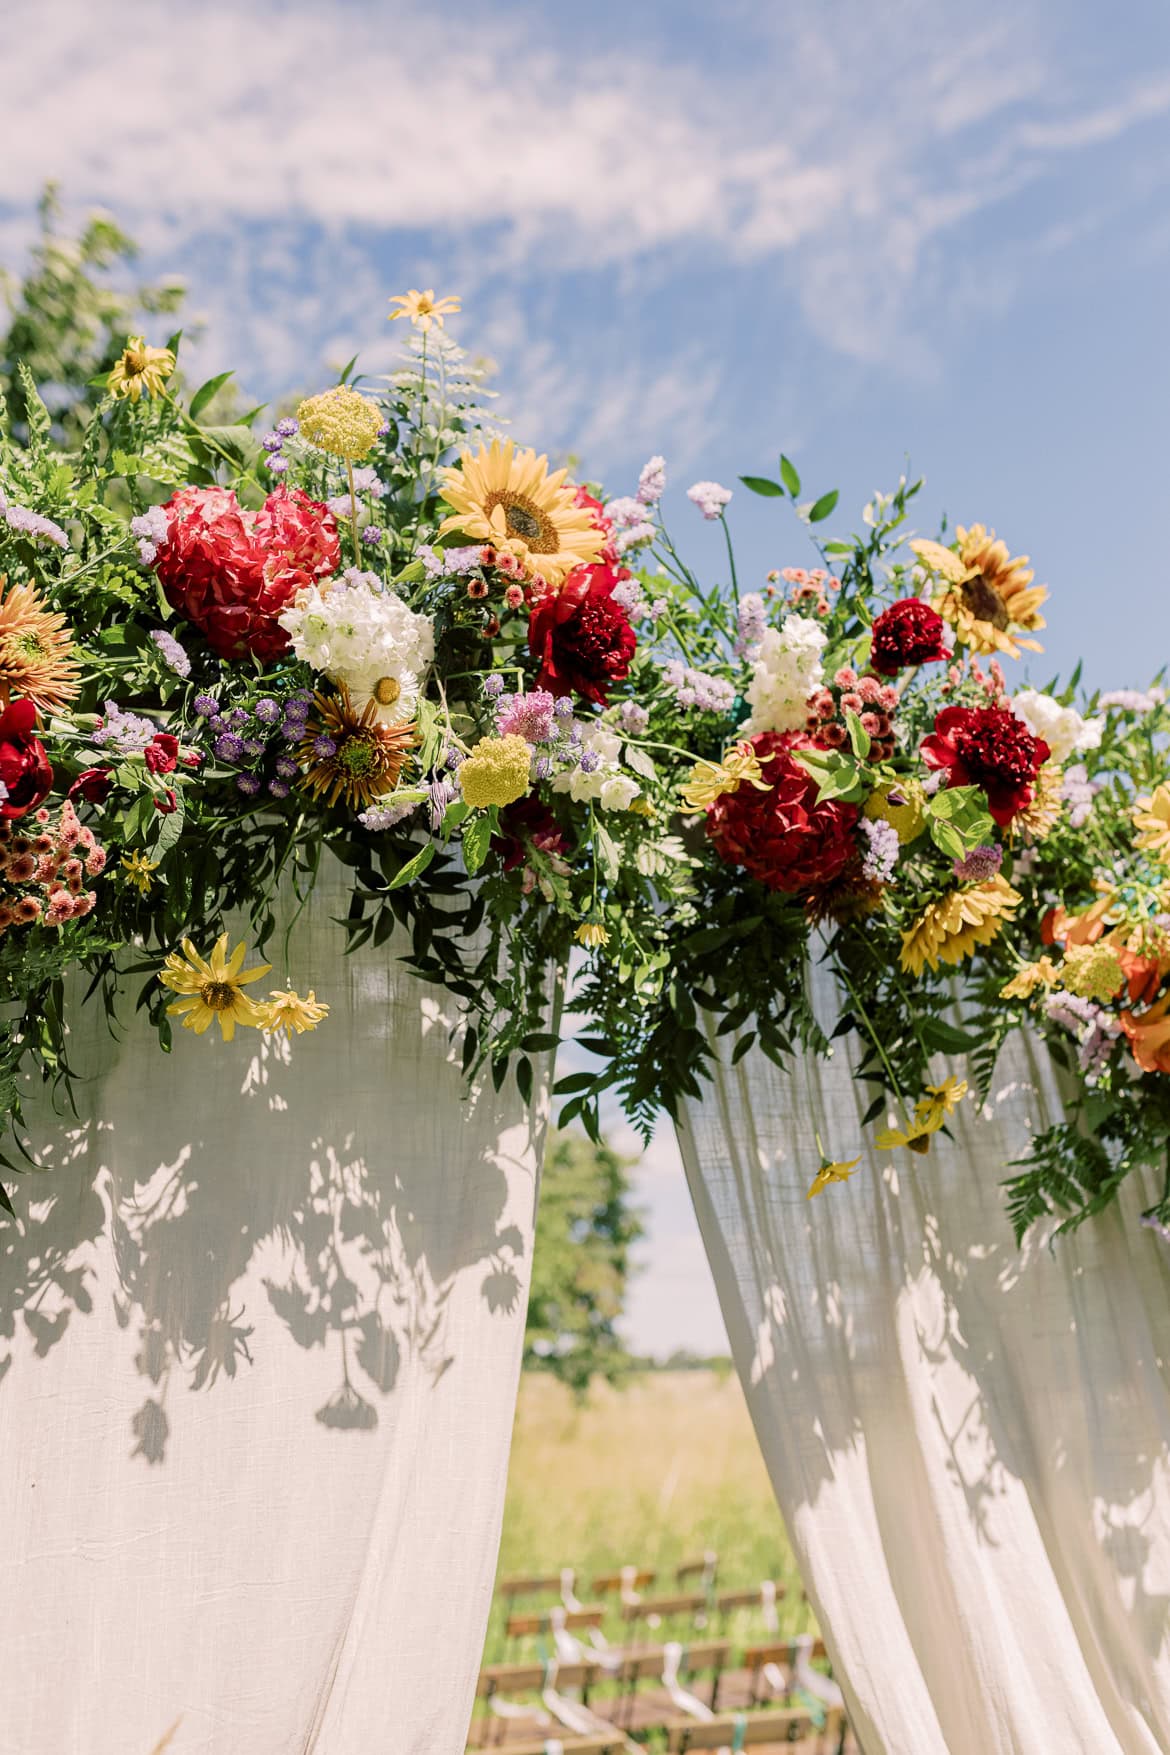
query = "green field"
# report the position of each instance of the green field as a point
(661, 1470)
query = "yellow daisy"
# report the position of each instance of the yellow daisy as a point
(140, 370)
(916, 1138)
(507, 498)
(286, 1011)
(940, 1102)
(1151, 818)
(952, 928)
(211, 989)
(711, 780)
(986, 595)
(140, 872)
(423, 308)
(830, 1172)
(36, 651)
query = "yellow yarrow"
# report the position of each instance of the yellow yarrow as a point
(140, 370)
(1093, 972)
(341, 421)
(952, 928)
(423, 308)
(1151, 818)
(496, 772)
(906, 819)
(711, 780)
(286, 1011)
(1025, 981)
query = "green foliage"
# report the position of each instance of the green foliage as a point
(585, 1228)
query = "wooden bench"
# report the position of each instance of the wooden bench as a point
(630, 1578)
(639, 1712)
(749, 1730)
(541, 1620)
(690, 1603)
(539, 1585)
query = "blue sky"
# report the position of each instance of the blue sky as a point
(929, 231)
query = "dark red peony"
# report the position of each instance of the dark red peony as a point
(581, 636)
(990, 748)
(783, 837)
(24, 766)
(94, 784)
(525, 825)
(909, 632)
(230, 572)
(161, 754)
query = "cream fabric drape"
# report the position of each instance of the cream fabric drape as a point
(970, 1444)
(260, 1334)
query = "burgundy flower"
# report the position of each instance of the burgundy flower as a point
(582, 637)
(94, 784)
(990, 748)
(24, 766)
(230, 572)
(783, 837)
(167, 803)
(161, 754)
(909, 632)
(524, 825)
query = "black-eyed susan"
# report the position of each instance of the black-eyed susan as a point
(507, 498)
(423, 308)
(140, 370)
(592, 934)
(36, 651)
(212, 988)
(350, 757)
(986, 595)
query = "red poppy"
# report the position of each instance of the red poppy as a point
(24, 766)
(990, 748)
(582, 637)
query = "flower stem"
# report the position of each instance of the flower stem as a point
(730, 556)
(357, 559)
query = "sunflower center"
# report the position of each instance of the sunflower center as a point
(217, 996)
(524, 519)
(356, 756)
(985, 602)
(134, 361)
(387, 690)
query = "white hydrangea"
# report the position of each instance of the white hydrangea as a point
(604, 783)
(1062, 728)
(786, 672)
(358, 632)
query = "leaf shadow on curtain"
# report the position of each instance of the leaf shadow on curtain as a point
(231, 1184)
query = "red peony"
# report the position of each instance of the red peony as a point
(95, 784)
(527, 824)
(990, 748)
(909, 632)
(161, 754)
(582, 637)
(608, 554)
(24, 766)
(783, 837)
(230, 572)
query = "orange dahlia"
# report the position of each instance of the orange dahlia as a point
(36, 651)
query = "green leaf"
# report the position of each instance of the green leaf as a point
(414, 867)
(821, 508)
(759, 484)
(943, 1038)
(456, 812)
(347, 369)
(640, 762)
(858, 736)
(477, 835)
(789, 476)
(538, 1041)
(206, 391)
(607, 853)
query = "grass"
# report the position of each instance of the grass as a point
(659, 1471)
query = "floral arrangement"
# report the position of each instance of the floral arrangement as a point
(384, 632)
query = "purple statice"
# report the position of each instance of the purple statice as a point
(288, 428)
(628, 595)
(248, 784)
(172, 653)
(276, 463)
(457, 561)
(253, 747)
(979, 865)
(206, 706)
(239, 716)
(384, 430)
(372, 536)
(267, 710)
(658, 609)
(439, 796)
(1094, 1028)
(150, 528)
(633, 719)
(452, 758)
(652, 481)
(278, 788)
(272, 441)
(1078, 792)
(695, 688)
(229, 747)
(385, 816)
(750, 623)
(324, 746)
(27, 523)
(543, 768)
(493, 686)
(564, 707)
(881, 855)
(125, 734)
(709, 497)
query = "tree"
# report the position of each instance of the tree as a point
(581, 1264)
(68, 321)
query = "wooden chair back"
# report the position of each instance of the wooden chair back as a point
(749, 1596)
(746, 1730)
(700, 1655)
(686, 1603)
(629, 1578)
(539, 1585)
(540, 1621)
(530, 1678)
(704, 1566)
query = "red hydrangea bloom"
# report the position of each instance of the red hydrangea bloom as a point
(24, 766)
(783, 837)
(909, 632)
(527, 823)
(230, 572)
(581, 636)
(990, 748)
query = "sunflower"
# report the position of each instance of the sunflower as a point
(423, 308)
(1151, 818)
(1041, 815)
(349, 756)
(957, 924)
(986, 595)
(140, 369)
(508, 498)
(286, 1011)
(36, 651)
(211, 989)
